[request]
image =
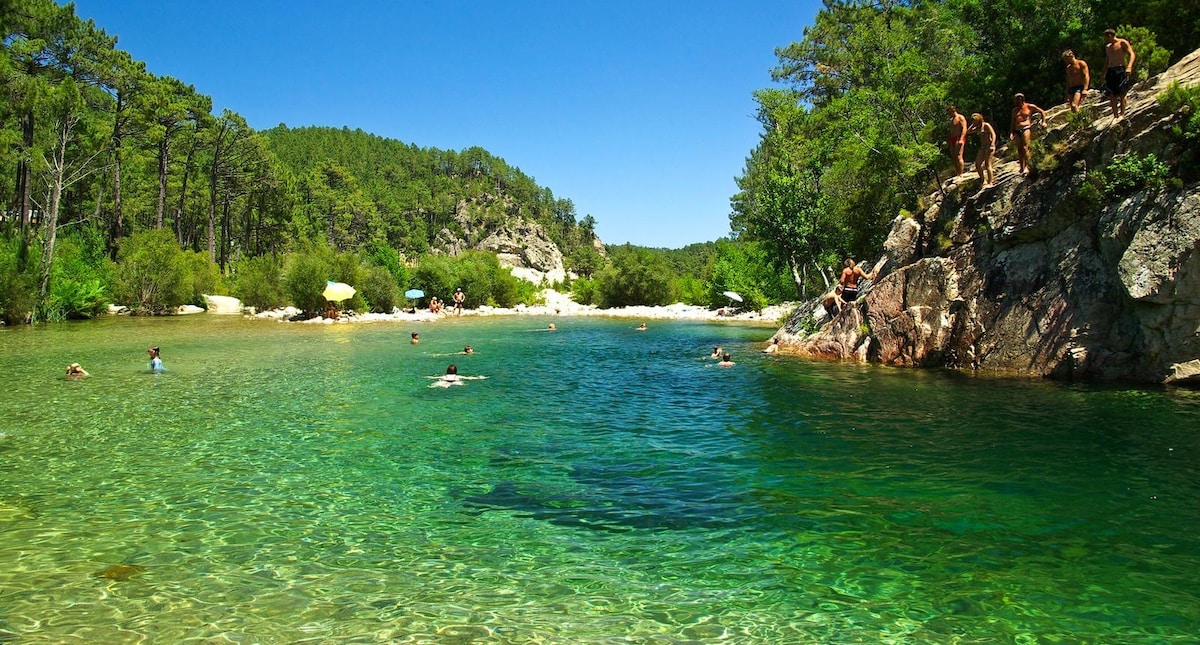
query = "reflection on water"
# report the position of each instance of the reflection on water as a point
(284, 483)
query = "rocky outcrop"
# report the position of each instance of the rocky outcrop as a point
(1042, 275)
(495, 224)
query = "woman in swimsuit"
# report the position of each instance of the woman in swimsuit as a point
(987, 147)
(1022, 123)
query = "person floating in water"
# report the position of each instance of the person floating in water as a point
(1021, 124)
(1079, 79)
(551, 327)
(156, 364)
(773, 348)
(468, 350)
(452, 377)
(1118, 61)
(641, 327)
(957, 140)
(987, 148)
(847, 289)
(725, 361)
(74, 371)
(716, 352)
(416, 338)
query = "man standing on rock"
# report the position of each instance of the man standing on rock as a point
(957, 139)
(848, 284)
(1078, 79)
(1019, 127)
(1118, 59)
(459, 297)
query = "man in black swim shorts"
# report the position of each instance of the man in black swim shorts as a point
(1118, 60)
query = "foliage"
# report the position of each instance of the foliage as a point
(18, 281)
(258, 282)
(305, 275)
(379, 289)
(584, 261)
(79, 277)
(745, 269)
(635, 277)
(1128, 173)
(153, 274)
(583, 291)
(1186, 101)
(479, 274)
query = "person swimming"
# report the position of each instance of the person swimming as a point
(725, 361)
(716, 352)
(452, 377)
(74, 371)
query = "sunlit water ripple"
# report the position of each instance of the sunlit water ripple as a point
(292, 483)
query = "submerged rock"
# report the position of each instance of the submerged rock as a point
(120, 572)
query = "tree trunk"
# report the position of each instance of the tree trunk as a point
(164, 154)
(57, 177)
(25, 173)
(118, 221)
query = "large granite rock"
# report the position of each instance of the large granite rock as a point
(1034, 277)
(495, 224)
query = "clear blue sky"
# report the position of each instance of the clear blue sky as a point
(640, 112)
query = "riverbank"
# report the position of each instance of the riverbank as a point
(557, 304)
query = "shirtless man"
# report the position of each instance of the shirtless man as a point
(957, 138)
(1079, 79)
(849, 282)
(987, 148)
(1118, 61)
(1019, 127)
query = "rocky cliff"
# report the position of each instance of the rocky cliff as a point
(1042, 275)
(495, 224)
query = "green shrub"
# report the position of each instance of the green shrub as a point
(305, 276)
(18, 281)
(152, 273)
(258, 282)
(1185, 100)
(203, 277)
(379, 289)
(1131, 172)
(635, 277)
(583, 291)
(79, 278)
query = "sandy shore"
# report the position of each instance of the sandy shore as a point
(559, 304)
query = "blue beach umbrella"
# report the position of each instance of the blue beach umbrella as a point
(414, 293)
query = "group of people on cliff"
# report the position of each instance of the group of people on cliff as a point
(1119, 58)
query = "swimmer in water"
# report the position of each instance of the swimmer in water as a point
(452, 377)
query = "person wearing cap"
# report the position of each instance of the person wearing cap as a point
(459, 297)
(156, 364)
(74, 371)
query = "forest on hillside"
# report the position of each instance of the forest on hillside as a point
(854, 132)
(122, 185)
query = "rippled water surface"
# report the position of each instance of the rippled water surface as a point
(296, 483)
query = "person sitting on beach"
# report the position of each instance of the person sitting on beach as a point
(773, 348)
(74, 371)
(156, 364)
(1078, 79)
(1118, 60)
(416, 338)
(847, 289)
(331, 311)
(716, 352)
(725, 362)
(1020, 125)
(987, 148)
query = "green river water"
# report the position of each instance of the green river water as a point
(289, 483)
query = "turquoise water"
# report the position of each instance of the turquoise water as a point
(295, 483)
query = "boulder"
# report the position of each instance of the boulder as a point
(223, 304)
